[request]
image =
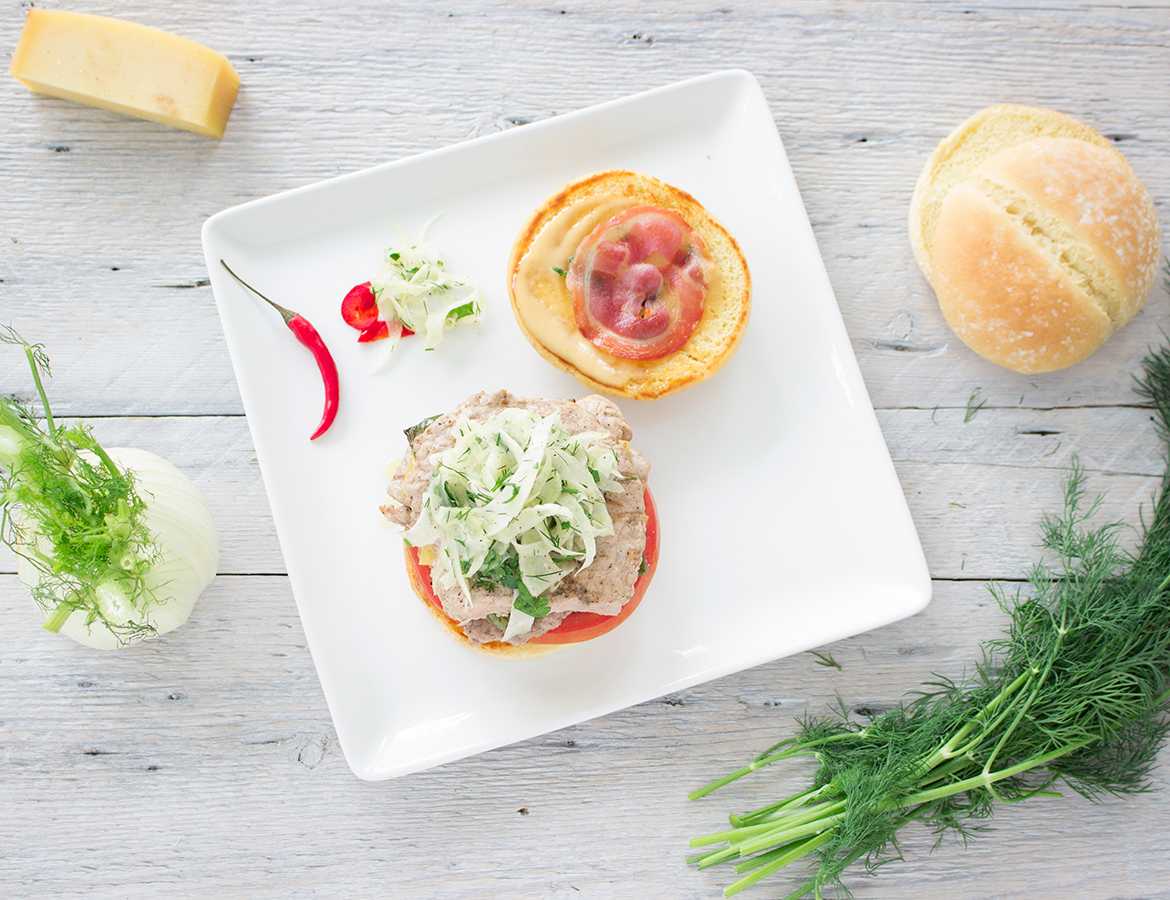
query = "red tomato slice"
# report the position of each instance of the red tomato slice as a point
(577, 626)
(584, 626)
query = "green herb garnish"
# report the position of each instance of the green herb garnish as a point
(462, 312)
(415, 430)
(504, 571)
(1077, 690)
(973, 407)
(71, 512)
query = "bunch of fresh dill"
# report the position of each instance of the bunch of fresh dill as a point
(1077, 691)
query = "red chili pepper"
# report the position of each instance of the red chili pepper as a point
(307, 335)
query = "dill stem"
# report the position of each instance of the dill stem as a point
(758, 763)
(801, 814)
(954, 747)
(713, 857)
(733, 835)
(743, 833)
(986, 779)
(804, 798)
(1043, 676)
(950, 767)
(769, 757)
(782, 859)
(786, 834)
(787, 820)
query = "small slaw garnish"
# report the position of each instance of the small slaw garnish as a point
(414, 290)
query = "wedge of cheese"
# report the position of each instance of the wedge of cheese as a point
(125, 67)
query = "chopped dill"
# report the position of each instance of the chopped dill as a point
(971, 410)
(503, 570)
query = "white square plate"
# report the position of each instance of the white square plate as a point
(783, 524)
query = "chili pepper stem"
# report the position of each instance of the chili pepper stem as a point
(287, 314)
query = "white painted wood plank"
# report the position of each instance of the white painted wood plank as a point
(976, 482)
(103, 212)
(205, 764)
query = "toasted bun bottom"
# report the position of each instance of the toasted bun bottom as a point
(498, 649)
(708, 349)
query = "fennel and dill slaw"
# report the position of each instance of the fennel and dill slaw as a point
(518, 491)
(523, 514)
(413, 290)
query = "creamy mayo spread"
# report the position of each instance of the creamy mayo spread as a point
(545, 305)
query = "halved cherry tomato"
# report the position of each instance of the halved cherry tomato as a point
(375, 332)
(360, 311)
(360, 308)
(577, 626)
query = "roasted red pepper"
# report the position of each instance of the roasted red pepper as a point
(307, 335)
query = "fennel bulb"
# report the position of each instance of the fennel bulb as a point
(112, 545)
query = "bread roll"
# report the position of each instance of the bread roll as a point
(544, 307)
(1038, 238)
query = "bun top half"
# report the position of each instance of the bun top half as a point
(1037, 236)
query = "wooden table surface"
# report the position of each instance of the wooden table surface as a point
(206, 764)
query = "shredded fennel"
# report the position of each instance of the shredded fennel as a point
(415, 289)
(517, 493)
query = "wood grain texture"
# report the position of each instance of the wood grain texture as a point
(206, 765)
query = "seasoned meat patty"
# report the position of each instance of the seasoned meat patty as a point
(602, 587)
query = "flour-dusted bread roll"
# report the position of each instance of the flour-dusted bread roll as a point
(584, 295)
(1037, 236)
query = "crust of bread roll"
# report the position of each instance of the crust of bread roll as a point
(1039, 247)
(498, 649)
(964, 150)
(716, 337)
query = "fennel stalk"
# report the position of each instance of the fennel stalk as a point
(71, 513)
